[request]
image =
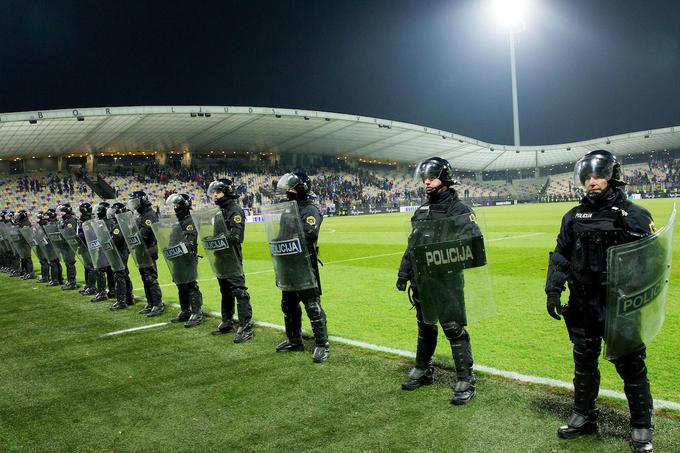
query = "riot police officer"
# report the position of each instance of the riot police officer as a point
(56, 272)
(224, 196)
(190, 297)
(14, 259)
(85, 210)
(42, 257)
(21, 220)
(68, 220)
(139, 202)
(442, 202)
(603, 218)
(123, 284)
(297, 187)
(104, 276)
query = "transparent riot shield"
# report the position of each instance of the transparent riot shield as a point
(78, 247)
(4, 246)
(94, 247)
(288, 248)
(27, 233)
(172, 242)
(213, 232)
(127, 221)
(452, 280)
(5, 227)
(637, 287)
(20, 245)
(44, 243)
(57, 240)
(101, 231)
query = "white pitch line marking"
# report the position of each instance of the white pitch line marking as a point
(133, 329)
(520, 236)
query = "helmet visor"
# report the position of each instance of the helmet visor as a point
(214, 187)
(428, 170)
(111, 213)
(174, 200)
(287, 181)
(133, 204)
(594, 166)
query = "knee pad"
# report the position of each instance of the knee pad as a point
(313, 308)
(454, 331)
(631, 367)
(586, 354)
(240, 293)
(289, 306)
(426, 331)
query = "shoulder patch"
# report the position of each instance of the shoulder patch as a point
(147, 222)
(652, 228)
(473, 218)
(190, 227)
(311, 220)
(237, 218)
(116, 231)
(68, 225)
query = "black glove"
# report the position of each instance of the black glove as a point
(401, 283)
(554, 306)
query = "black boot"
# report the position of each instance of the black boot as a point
(317, 317)
(69, 286)
(99, 297)
(641, 440)
(195, 319)
(146, 310)
(290, 345)
(182, 316)
(244, 333)
(119, 306)
(418, 377)
(579, 425)
(224, 327)
(157, 310)
(321, 353)
(465, 388)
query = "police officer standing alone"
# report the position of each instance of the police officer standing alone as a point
(603, 218)
(224, 196)
(442, 202)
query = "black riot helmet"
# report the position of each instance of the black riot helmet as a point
(50, 215)
(65, 209)
(138, 201)
(298, 181)
(226, 186)
(20, 216)
(180, 202)
(601, 164)
(85, 209)
(115, 208)
(102, 206)
(435, 168)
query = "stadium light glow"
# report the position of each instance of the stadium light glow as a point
(510, 14)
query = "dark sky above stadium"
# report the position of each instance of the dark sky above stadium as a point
(586, 68)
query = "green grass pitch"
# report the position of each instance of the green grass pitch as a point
(67, 389)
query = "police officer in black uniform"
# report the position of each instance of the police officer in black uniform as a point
(603, 218)
(104, 276)
(56, 272)
(442, 202)
(44, 262)
(190, 297)
(123, 284)
(139, 202)
(21, 220)
(15, 260)
(85, 210)
(298, 188)
(224, 196)
(6, 255)
(68, 220)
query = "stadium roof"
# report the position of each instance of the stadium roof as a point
(201, 129)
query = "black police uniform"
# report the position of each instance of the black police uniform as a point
(90, 273)
(190, 297)
(310, 298)
(234, 287)
(26, 263)
(69, 221)
(56, 272)
(440, 205)
(149, 275)
(580, 260)
(14, 259)
(44, 261)
(123, 284)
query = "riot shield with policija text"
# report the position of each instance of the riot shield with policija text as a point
(452, 281)
(213, 234)
(7, 235)
(57, 240)
(127, 222)
(101, 230)
(77, 246)
(94, 247)
(288, 248)
(637, 287)
(178, 255)
(44, 243)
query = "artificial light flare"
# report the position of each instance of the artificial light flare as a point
(510, 14)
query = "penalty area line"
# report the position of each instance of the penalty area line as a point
(133, 329)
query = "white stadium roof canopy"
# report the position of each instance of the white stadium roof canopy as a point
(201, 129)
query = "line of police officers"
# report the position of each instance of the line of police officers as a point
(603, 218)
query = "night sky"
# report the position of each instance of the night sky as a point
(586, 68)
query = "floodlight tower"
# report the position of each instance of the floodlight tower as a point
(510, 17)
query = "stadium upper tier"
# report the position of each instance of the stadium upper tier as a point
(202, 129)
